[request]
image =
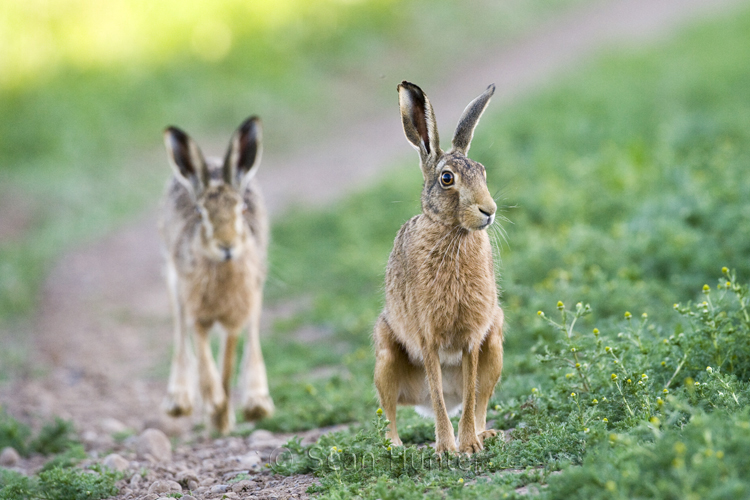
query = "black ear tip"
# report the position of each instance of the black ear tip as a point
(175, 135)
(250, 123)
(491, 88)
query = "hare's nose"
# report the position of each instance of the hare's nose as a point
(227, 251)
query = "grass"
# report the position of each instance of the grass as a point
(629, 184)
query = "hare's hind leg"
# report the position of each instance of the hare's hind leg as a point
(214, 398)
(256, 399)
(392, 368)
(180, 396)
(489, 369)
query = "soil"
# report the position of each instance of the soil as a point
(100, 341)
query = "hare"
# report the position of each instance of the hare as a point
(439, 340)
(215, 232)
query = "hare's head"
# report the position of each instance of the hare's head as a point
(217, 192)
(455, 187)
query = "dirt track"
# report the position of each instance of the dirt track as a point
(102, 335)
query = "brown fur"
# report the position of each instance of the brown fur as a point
(215, 233)
(439, 337)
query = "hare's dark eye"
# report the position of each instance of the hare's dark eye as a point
(446, 178)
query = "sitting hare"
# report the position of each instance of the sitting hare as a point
(215, 232)
(438, 341)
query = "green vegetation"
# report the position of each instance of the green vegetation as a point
(59, 484)
(629, 192)
(58, 479)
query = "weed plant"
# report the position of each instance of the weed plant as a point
(58, 479)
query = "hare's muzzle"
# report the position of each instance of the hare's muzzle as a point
(489, 215)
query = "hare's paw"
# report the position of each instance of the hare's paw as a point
(486, 434)
(178, 402)
(470, 446)
(257, 407)
(443, 445)
(395, 440)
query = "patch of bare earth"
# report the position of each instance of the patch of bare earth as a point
(101, 338)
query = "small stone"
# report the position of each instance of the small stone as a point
(150, 496)
(9, 457)
(115, 462)
(186, 477)
(155, 443)
(249, 461)
(164, 486)
(192, 485)
(111, 425)
(219, 488)
(188, 497)
(244, 485)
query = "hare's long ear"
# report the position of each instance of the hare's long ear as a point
(186, 160)
(469, 119)
(418, 119)
(243, 156)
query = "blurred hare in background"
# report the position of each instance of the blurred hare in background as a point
(438, 341)
(215, 232)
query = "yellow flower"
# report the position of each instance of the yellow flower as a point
(607, 349)
(628, 315)
(460, 480)
(719, 454)
(706, 288)
(663, 363)
(665, 391)
(578, 365)
(595, 401)
(659, 401)
(605, 420)
(596, 331)
(611, 485)
(724, 270)
(614, 376)
(560, 305)
(630, 381)
(709, 369)
(644, 315)
(497, 407)
(379, 411)
(572, 394)
(540, 313)
(655, 421)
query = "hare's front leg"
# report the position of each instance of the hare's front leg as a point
(256, 399)
(214, 398)
(468, 442)
(180, 396)
(443, 428)
(489, 368)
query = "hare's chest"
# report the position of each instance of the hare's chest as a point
(224, 294)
